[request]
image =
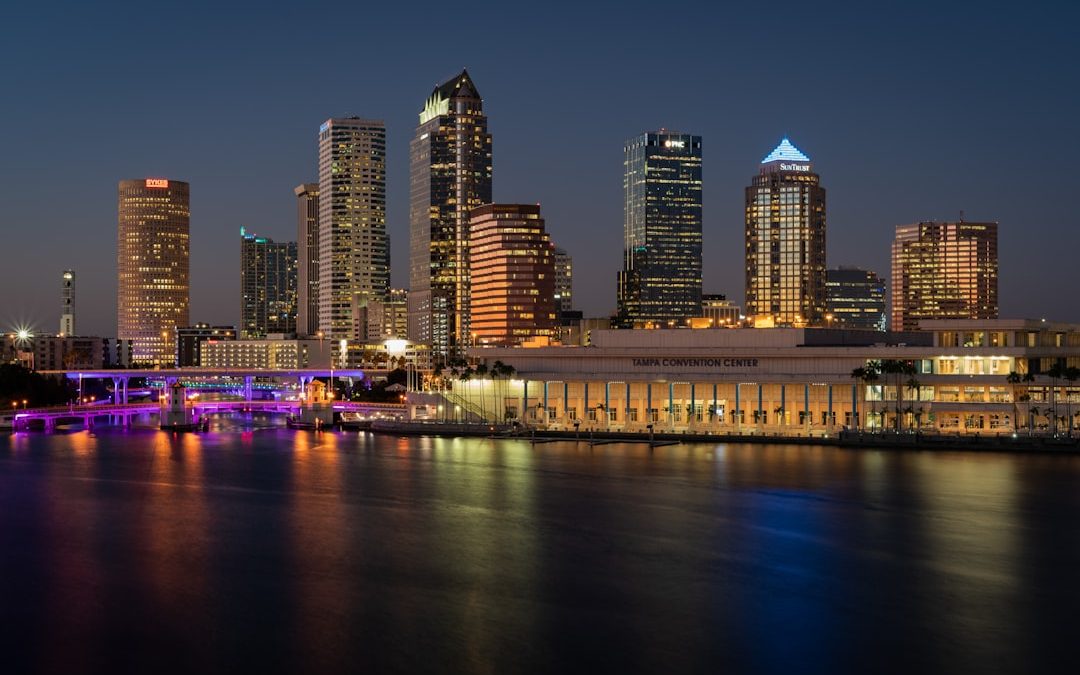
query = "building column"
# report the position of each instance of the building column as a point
(648, 403)
(565, 400)
(738, 407)
(783, 405)
(545, 416)
(525, 401)
(607, 402)
(829, 415)
(671, 403)
(692, 415)
(809, 420)
(626, 407)
(855, 406)
(715, 404)
(760, 407)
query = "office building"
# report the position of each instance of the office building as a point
(268, 281)
(944, 270)
(512, 272)
(153, 287)
(73, 352)
(354, 251)
(564, 280)
(660, 283)
(307, 256)
(67, 303)
(785, 241)
(450, 174)
(189, 341)
(854, 298)
(388, 318)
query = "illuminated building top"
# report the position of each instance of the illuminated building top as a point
(785, 152)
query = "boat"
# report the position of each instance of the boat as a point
(294, 422)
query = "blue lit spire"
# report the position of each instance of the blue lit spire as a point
(786, 152)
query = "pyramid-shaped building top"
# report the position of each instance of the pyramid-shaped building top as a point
(785, 152)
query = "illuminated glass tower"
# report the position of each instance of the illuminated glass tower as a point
(564, 280)
(153, 288)
(944, 271)
(660, 282)
(267, 286)
(354, 251)
(307, 254)
(450, 174)
(67, 303)
(785, 241)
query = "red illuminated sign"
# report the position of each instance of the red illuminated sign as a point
(157, 183)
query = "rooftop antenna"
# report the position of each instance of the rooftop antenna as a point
(961, 215)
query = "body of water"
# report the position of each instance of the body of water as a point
(259, 549)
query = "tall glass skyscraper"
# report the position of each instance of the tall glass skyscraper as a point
(267, 286)
(152, 262)
(855, 298)
(785, 241)
(354, 251)
(450, 174)
(660, 282)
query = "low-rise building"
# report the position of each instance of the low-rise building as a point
(963, 376)
(189, 340)
(73, 352)
(273, 352)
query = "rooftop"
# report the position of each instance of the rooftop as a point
(785, 152)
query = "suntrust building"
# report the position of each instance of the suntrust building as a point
(952, 376)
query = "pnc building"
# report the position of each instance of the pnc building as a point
(152, 260)
(660, 282)
(944, 271)
(449, 175)
(785, 241)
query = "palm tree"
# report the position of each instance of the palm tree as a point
(868, 375)
(1013, 378)
(1055, 372)
(915, 386)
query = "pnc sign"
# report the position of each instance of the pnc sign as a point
(674, 144)
(157, 183)
(794, 167)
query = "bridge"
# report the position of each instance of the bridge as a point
(125, 412)
(121, 378)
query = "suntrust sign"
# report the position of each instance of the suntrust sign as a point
(794, 167)
(696, 363)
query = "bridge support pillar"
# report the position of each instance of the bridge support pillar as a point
(248, 380)
(50, 425)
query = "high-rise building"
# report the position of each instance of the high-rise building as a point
(660, 282)
(153, 288)
(855, 298)
(307, 256)
(354, 251)
(944, 270)
(564, 280)
(513, 275)
(388, 318)
(67, 303)
(450, 174)
(785, 241)
(267, 286)
(189, 341)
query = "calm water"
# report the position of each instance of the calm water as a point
(272, 550)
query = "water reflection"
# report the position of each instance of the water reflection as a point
(262, 548)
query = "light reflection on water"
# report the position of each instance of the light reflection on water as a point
(270, 549)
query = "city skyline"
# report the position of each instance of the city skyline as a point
(886, 163)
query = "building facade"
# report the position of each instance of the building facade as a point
(273, 353)
(564, 280)
(268, 286)
(67, 303)
(307, 259)
(388, 318)
(152, 262)
(354, 250)
(854, 298)
(189, 340)
(719, 312)
(450, 174)
(793, 381)
(660, 282)
(785, 241)
(71, 352)
(512, 272)
(944, 270)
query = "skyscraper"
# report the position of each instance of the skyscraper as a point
(267, 286)
(660, 282)
(67, 303)
(307, 255)
(855, 298)
(564, 280)
(785, 240)
(513, 275)
(450, 174)
(388, 318)
(946, 270)
(152, 266)
(354, 252)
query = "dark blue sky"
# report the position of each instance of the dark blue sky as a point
(909, 110)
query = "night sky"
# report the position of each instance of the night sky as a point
(910, 111)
